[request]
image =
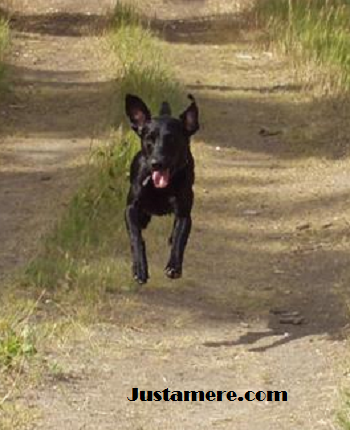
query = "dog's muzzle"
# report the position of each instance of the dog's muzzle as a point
(160, 174)
(161, 178)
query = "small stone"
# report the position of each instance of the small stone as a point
(243, 56)
(251, 212)
(277, 311)
(294, 320)
(304, 226)
(265, 132)
(278, 272)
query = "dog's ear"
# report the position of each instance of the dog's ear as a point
(190, 117)
(137, 111)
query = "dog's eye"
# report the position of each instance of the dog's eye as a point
(149, 144)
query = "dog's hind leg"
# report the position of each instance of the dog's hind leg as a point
(135, 222)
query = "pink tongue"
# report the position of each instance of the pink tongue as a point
(160, 178)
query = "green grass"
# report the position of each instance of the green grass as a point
(314, 32)
(344, 415)
(18, 353)
(88, 245)
(4, 43)
(15, 343)
(143, 68)
(87, 256)
(17, 330)
(126, 15)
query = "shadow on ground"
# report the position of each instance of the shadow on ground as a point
(209, 30)
(248, 283)
(26, 198)
(266, 123)
(60, 24)
(202, 28)
(284, 128)
(60, 104)
(271, 124)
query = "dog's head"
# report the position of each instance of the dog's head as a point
(164, 139)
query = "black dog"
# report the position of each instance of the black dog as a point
(161, 178)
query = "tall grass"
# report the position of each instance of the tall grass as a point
(88, 245)
(311, 31)
(143, 68)
(89, 252)
(4, 43)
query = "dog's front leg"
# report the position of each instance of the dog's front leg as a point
(138, 248)
(179, 237)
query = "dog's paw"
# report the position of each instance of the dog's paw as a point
(140, 274)
(173, 272)
(141, 279)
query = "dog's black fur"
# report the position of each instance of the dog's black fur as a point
(161, 180)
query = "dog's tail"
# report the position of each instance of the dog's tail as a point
(165, 109)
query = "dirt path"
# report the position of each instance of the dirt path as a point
(59, 101)
(260, 305)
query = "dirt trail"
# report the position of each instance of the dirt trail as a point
(59, 101)
(270, 239)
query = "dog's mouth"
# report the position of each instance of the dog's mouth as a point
(161, 178)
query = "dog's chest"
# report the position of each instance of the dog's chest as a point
(157, 201)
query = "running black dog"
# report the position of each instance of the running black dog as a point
(161, 180)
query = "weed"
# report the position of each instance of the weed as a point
(15, 343)
(17, 335)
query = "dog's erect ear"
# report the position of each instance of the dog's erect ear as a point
(190, 118)
(137, 111)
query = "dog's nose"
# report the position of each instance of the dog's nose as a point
(156, 164)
